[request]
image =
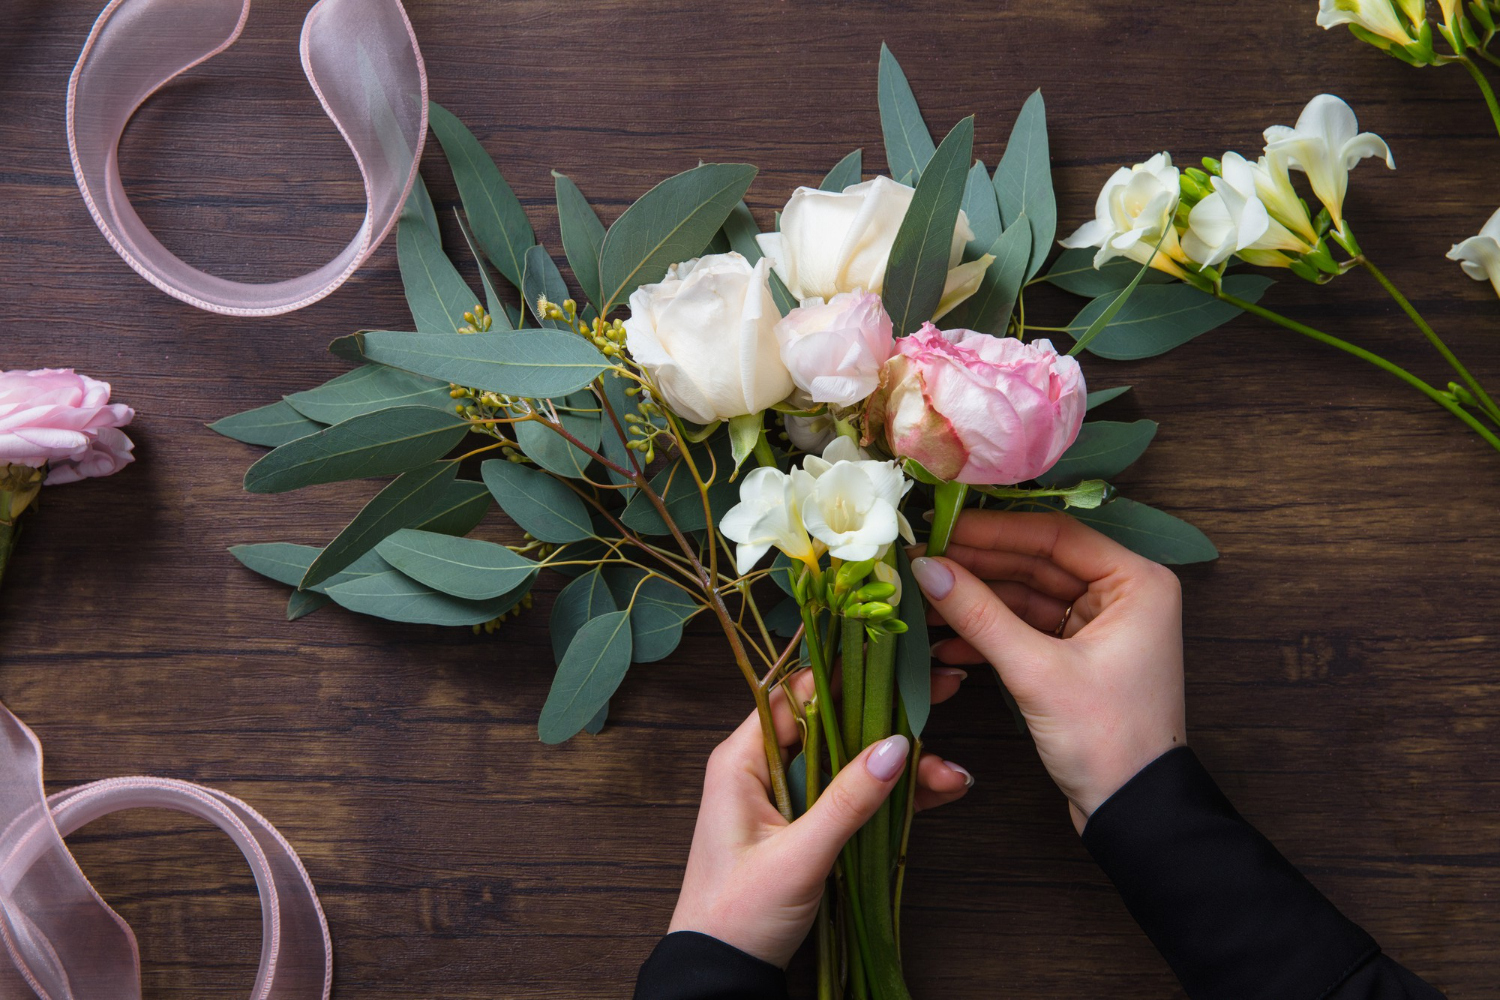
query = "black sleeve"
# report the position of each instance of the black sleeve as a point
(692, 966)
(1231, 916)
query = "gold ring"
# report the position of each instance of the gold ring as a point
(1062, 626)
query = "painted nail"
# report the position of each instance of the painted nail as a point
(962, 772)
(888, 758)
(958, 672)
(935, 579)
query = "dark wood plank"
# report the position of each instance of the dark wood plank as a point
(1342, 654)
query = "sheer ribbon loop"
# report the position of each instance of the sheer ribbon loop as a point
(362, 60)
(66, 943)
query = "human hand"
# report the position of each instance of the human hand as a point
(1106, 698)
(753, 880)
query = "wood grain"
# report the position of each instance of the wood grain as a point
(1342, 654)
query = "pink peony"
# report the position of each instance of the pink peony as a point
(834, 349)
(63, 420)
(977, 409)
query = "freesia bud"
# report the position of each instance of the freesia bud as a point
(874, 592)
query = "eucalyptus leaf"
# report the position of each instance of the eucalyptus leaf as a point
(283, 562)
(846, 172)
(1023, 180)
(367, 389)
(301, 603)
(372, 444)
(270, 426)
(785, 618)
(672, 222)
(582, 235)
(918, 265)
(782, 568)
(589, 675)
(679, 492)
(1104, 449)
(1160, 317)
(408, 500)
(913, 651)
(1120, 300)
(420, 202)
(499, 221)
(470, 568)
(542, 278)
(658, 611)
(982, 209)
(989, 309)
(586, 598)
(556, 453)
(538, 364)
(396, 597)
(596, 724)
(908, 145)
(1102, 396)
(1074, 271)
(436, 294)
(614, 433)
(543, 507)
(499, 316)
(1149, 532)
(459, 510)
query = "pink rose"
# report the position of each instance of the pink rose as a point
(834, 349)
(977, 409)
(65, 421)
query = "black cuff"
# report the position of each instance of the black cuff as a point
(692, 966)
(1231, 916)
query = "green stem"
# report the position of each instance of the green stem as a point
(875, 837)
(947, 502)
(9, 532)
(824, 689)
(763, 453)
(812, 756)
(853, 646)
(1484, 88)
(906, 794)
(1486, 403)
(1442, 399)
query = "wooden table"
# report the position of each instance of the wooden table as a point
(1343, 681)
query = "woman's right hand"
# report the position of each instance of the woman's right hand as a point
(1105, 698)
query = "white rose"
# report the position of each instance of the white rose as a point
(840, 241)
(706, 336)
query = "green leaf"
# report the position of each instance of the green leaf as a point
(283, 562)
(614, 436)
(542, 506)
(782, 569)
(1113, 309)
(556, 453)
(1104, 449)
(672, 222)
(470, 568)
(785, 618)
(989, 309)
(271, 426)
(1023, 180)
(408, 500)
(590, 673)
(537, 364)
(582, 235)
(849, 170)
(658, 611)
(1150, 532)
(586, 598)
(913, 651)
(543, 278)
(918, 265)
(596, 724)
(420, 202)
(499, 221)
(1074, 271)
(744, 434)
(908, 146)
(1090, 493)
(396, 597)
(435, 293)
(367, 389)
(1103, 396)
(459, 510)
(680, 495)
(983, 211)
(372, 444)
(301, 603)
(499, 316)
(1160, 317)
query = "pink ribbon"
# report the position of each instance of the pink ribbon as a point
(363, 62)
(64, 940)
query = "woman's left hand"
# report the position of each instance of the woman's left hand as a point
(753, 880)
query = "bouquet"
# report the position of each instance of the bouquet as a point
(722, 422)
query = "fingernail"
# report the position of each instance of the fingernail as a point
(935, 579)
(962, 772)
(888, 758)
(951, 672)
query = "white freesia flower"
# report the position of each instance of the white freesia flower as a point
(1133, 212)
(1479, 256)
(1375, 16)
(1449, 9)
(1325, 144)
(853, 504)
(706, 334)
(1273, 186)
(769, 515)
(1233, 219)
(840, 241)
